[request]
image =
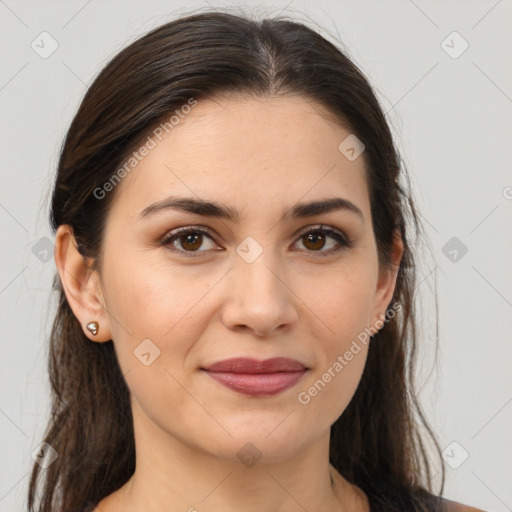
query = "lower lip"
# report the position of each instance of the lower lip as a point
(258, 384)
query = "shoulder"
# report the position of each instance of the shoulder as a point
(453, 506)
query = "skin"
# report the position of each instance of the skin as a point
(258, 156)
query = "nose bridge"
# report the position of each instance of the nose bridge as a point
(257, 264)
(258, 295)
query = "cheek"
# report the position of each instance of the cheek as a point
(150, 300)
(154, 329)
(171, 308)
(344, 306)
(330, 388)
(343, 302)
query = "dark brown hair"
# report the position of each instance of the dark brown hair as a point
(376, 442)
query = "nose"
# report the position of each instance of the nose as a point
(259, 297)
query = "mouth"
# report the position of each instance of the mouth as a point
(257, 378)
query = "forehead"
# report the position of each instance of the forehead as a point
(252, 154)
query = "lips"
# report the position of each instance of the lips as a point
(257, 378)
(247, 365)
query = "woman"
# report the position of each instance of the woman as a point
(236, 327)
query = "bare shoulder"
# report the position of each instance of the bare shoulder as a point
(453, 506)
(113, 502)
(107, 504)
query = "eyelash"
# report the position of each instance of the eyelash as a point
(344, 241)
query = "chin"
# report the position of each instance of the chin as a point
(258, 444)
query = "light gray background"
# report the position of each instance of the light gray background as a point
(452, 120)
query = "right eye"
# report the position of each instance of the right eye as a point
(190, 239)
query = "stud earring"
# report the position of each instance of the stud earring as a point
(93, 328)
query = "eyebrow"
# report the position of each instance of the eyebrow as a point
(213, 209)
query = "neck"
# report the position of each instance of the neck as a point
(171, 476)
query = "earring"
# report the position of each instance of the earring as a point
(93, 327)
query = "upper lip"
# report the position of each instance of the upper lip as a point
(249, 365)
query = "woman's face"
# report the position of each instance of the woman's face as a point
(252, 286)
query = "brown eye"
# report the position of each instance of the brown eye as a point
(187, 241)
(191, 242)
(315, 240)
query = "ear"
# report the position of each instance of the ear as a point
(386, 283)
(81, 284)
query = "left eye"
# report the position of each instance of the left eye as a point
(191, 239)
(315, 237)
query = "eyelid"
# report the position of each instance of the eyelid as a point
(323, 227)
